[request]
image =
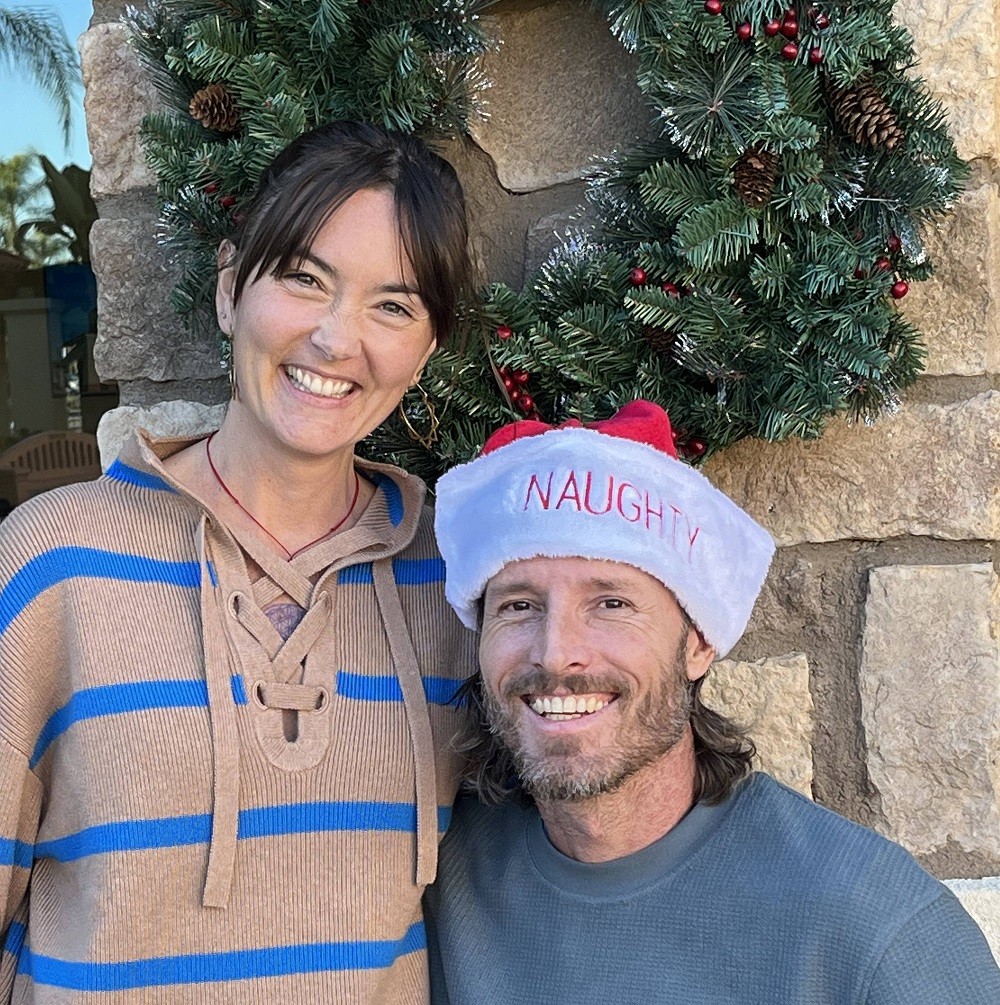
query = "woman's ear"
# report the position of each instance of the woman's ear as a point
(224, 304)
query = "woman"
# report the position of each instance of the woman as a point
(227, 664)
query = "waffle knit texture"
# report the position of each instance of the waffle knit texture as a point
(160, 839)
(766, 899)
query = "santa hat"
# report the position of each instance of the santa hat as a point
(612, 490)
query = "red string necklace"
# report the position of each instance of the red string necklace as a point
(225, 488)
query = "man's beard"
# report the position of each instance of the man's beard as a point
(562, 771)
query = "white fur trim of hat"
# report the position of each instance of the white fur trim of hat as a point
(614, 491)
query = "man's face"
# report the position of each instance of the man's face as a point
(585, 669)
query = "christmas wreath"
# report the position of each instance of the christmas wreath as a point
(746, 263)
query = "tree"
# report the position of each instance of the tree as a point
(35, 40)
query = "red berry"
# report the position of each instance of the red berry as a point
(789, 50)
(899, 290)
(816, 56)
(772, 28)
(238, 217)
(503, 332)
(822, 22)
(670, 289)
(745, 32)
(515, 394)
(694, 448)
(508, 383)
(790, 29)
(227, 201)
(883, 264)
(522, 377)
(791, 14)
(713, 7)
(211, 188)
(637, 277)
(526, 403)
(894, 244)
(859, 272)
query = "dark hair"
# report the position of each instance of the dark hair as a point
(320, 170)
(723, 751)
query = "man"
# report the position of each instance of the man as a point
(638, 860)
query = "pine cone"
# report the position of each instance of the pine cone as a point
(660, 341)
(214, 108)
(864, 115)
(754, 175)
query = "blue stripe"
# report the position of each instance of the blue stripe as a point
(52, 567)
(406, 572)
(15, 938)
(259, 822)
(114, 699)
(393, 497)
(239, 691)
(208, 968)
(382, 687)
(122, 472)
(13, 852)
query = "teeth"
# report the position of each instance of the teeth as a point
(314, 384)
(560, 707)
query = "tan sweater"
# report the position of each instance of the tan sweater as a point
(160, 839)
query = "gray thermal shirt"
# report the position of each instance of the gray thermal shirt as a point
(766, 899)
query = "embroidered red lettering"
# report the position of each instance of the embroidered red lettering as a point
(634, 508)
(586, 495)
(650, 512)
(691, 540)
(567, 495)
(543, 497)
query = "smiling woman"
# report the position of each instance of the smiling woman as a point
(262, 745)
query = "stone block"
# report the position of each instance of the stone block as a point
(169, 418)
(956, 47)
(957, 309)
(111, 70)
(981, 898)
(139, 335)
(564, 92)
(927, 470)
(771, 698)
(930, 705)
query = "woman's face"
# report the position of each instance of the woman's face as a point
(324, 352)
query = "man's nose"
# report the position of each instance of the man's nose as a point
(560, 642)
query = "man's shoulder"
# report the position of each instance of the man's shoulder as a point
(811, 847)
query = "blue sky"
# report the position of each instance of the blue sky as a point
(27, 119)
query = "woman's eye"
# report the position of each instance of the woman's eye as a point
(396, 309)
(302, 279)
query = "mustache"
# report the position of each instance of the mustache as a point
(542, 682)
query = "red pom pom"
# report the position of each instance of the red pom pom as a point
(503, 332)
(713, 7)
(637, 277)
(822, 22)
(772, 28)
(526, 403)
(789, 50)
(894, 244)
(883, 264)
(745, 32)
(790, 29)
(227, 201)
(211, 188)
(899, 290)
(816, 56)
(670, 289)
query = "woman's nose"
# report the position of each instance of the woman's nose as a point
(335, 334)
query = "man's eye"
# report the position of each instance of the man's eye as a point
(516, 605)
(613, 604)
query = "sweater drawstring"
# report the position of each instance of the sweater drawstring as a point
(404, 657)
(225, 737)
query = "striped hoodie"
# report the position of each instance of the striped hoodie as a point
(160, 839)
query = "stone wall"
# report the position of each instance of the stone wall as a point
(870, 673)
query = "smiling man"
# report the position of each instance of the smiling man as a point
(620, 849)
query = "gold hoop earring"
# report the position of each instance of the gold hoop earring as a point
(230, 364)
(426, 440)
